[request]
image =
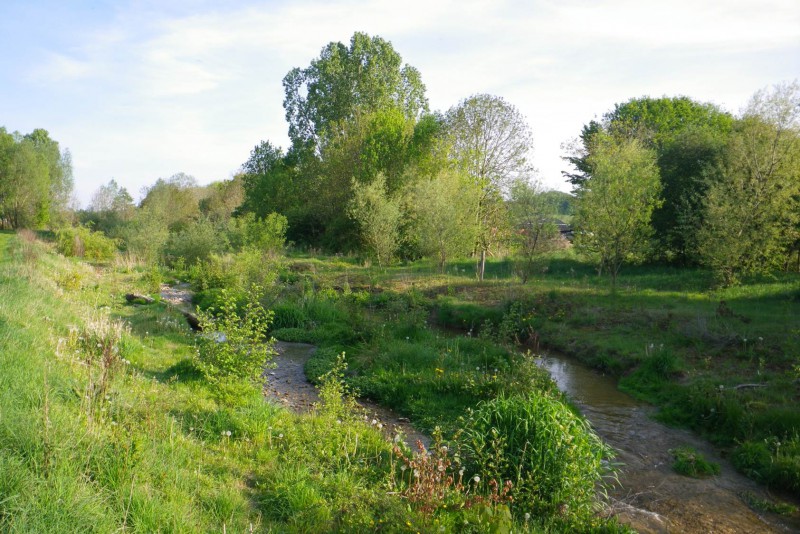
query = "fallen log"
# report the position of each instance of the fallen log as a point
(135, 298)
(192, 319)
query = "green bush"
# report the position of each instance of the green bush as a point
(196, 242)
(549, 454)
(234, 348)
(81, 242)
(690, 463)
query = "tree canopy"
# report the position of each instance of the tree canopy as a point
(366, 76)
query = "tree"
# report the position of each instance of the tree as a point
(688, 138)
(174, 201)
(616, 202)
(752, 209)
(442, 215)
(491, 141)
(367, 76)
(378, 218)
(35, 179)
(111, 207)
(533, 215)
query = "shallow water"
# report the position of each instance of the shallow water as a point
(650, 496)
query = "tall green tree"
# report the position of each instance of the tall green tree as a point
(366, 76)
(35, 180)
(615, 204)
(491, 140)
(753, 204)
(688, 138)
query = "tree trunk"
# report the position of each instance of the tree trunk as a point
(482, 265)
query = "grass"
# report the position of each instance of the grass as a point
(723, 362)
(106, 424)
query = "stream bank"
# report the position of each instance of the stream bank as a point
(651, 496)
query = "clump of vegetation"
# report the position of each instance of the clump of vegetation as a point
(82, 242)
(549, 455)
(766, 505)
(690, 463)
(234, 347)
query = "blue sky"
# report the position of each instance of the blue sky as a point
(144, 89)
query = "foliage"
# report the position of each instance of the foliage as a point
(687, 137)
(234, 348)
(194, 243)
(690, 463)
(378, 218)
(81, 242)
(615, 204)
(491, 141)
(267, 234)
(751, 209)
(35, 180)
(549, 454)
(173, 202)
(534, 229)
(366, 76)
(442, 217)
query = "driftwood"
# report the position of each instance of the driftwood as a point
(192, 319)
(136, 298)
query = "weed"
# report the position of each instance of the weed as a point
(690, 463)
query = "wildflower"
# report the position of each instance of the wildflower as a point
(402, 468)
(461, 472)
(476, 478)
(374, 422)
(527, 516)
(380, 426)
(228, 433)
(280, 436)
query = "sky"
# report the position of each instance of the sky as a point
(143, 89)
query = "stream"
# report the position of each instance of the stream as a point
(650, 496)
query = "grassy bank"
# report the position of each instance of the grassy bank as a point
(106, 424)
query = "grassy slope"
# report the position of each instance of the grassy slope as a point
(153, 453)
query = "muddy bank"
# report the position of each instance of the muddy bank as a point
(650, 496)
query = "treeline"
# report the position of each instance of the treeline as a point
(372, 170)
(673, 180)
(35, 180)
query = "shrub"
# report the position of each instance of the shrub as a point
(81, 242)
(197, 242)
(549, 454)
(234, 349)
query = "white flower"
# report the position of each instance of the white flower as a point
(476, 478)
(228, 433)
